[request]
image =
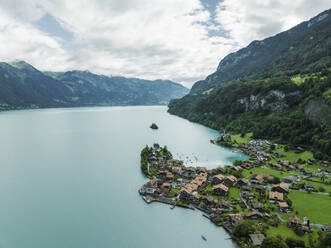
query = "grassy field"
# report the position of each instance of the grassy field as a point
(268, 171)
(292, 156)
(314, 206)
(234, 192)
(300, 79)
(286, 232)
(318, 183)
(236, 138)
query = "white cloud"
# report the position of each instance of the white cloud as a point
(24, 42)
(165, 39)
(257, 19)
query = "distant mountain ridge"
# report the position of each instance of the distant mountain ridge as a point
(295, 51)
(23, 86)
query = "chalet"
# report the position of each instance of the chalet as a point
(309, 187)
(254, 215)
(223, 205)
(189, 172)
(281, 188)
(260, 178)
(258, 206)
(257, 179)
(283, 207)
(208, 200)
(256, 239)
(247, 165)
(242, 182)
(325, 163)
(162, 174)
(221, 170)
(176, 169)
(247, 195)
(246, 188)
(311, 161)
(150, 187)
(258, 188)
(169, 176)
(237, 168)
(195, 196)
(184, 194)
(218, 179)
(165, 187)
(294, 221)
(276, 196)
(289, 179)
(284, 162)
(276, 166)
(234, 219)
(220, 189)
(230, 180)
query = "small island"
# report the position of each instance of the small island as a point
(279, 196)
(154, 126)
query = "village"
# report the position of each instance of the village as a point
(262, 197)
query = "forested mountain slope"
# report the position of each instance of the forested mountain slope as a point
(23, 86)
(278, 88)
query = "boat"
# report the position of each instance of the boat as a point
(203, 237)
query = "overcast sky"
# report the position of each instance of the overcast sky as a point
(181, 40)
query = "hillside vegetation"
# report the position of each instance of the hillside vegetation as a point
(278, 88)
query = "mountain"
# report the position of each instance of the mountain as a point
(23, 86)
(278, 88)
(302, 49)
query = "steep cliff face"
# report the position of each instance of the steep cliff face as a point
(319, 112)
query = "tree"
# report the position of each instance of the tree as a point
(243, 229)
(274, 242)
(293, 243)
(276, 180)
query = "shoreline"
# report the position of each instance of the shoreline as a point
(224, 195)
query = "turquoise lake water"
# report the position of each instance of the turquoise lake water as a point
(69, 178)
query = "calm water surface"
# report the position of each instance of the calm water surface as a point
(69, 179)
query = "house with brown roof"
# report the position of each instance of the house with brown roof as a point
(230, 180)
(276, 196)
(237, 168)
(254, 215)
(283, 207)
(258, 206)
(261, 178)
(294, 221)
(223, 205)
(220, 189)
(184, 194)
(165, 187)
(242, 182)
(208, 200)
(281, 188)
(217, 179)
(276, 166)
(234, 219)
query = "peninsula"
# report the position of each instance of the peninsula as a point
(280, 195)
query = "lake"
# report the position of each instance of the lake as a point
(69, 178)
